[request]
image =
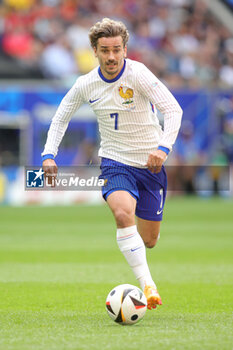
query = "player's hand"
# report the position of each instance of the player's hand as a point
(156, 160)
(50, 169)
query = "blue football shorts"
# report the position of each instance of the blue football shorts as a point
(147, 188)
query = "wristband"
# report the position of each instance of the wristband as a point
(164, 149)
(47, 156)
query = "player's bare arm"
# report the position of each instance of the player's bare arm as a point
(156, 160)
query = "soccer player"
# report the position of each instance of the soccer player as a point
(133, 147)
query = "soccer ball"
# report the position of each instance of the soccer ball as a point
(126, 304)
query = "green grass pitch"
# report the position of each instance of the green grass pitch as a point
(57, 265)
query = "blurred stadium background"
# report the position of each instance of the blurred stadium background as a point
(44, 47)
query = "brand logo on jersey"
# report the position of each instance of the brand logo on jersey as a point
(92, 101)
(126, 94)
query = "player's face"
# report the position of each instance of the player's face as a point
(110, 53)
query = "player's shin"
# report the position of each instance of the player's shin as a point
(133, 248)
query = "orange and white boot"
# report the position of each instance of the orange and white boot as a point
(152, 296)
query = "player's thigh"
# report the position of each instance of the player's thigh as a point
(123, 205)
(149, 231)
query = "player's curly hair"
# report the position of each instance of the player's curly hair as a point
(108, 28)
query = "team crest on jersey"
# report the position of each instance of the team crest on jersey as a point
(127, 95)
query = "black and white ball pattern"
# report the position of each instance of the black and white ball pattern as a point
(126, 304)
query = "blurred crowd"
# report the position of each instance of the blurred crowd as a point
(179, 40)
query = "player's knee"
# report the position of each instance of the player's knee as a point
(150, 243)
(123, 217)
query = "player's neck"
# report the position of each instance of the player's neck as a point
(109, 77)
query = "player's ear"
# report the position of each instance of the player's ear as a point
(125, 51)
(95, 51)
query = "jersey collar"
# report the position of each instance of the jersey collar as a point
(114, 79)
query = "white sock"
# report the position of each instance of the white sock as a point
(133, 248)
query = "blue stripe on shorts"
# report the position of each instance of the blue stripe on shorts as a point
(148, 189)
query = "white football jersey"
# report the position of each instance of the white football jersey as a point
(128, 122)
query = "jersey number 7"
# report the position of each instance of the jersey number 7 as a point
(115, 115)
